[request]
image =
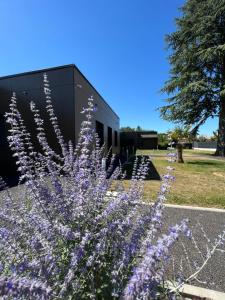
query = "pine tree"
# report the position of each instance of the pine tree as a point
(196, 86)
(138, 128)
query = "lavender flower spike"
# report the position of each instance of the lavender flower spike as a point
(66, 235)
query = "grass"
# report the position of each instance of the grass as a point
(200, 181)
(186, 152)
(199, 152)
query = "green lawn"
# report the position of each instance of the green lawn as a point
(186, 152)
(199, 152)
(200, 181)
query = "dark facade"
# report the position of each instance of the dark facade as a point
(70, 92)
(130, 141)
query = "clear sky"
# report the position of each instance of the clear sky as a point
(117, 44)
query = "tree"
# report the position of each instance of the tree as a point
(138, 128)
(130, 129)
(163, 140)
(214, 137)
(180, 133)
(201, 138)
(177, 135)
(196, 87)
(127, 129)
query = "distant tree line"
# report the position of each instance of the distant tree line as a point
(183, 135)
(130, 129)
(178, 134)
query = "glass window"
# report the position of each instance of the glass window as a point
(3, 134)
(99, 128)
(109, 137)
(115, 138)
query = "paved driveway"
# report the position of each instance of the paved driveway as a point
(212, 223)
(202, 222)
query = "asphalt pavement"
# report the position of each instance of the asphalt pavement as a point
(206, 225)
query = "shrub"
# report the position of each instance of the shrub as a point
(65, 236)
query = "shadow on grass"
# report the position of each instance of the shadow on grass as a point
(129, 165)
(204, 154)
(204, 163)
(12, 178)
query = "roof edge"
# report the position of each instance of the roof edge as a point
(96, 90)
(56, 68)
(37, 71)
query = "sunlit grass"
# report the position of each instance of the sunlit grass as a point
(200, 181)
(185, 151)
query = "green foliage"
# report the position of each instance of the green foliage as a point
(214, 137)
(180, 133)
(201, 138)
(163, 140)
(196, 86)
(138, 128)
(205, 138)
(127, 129)
(130, 129)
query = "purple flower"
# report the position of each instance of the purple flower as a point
(65, 236)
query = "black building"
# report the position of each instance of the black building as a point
(132, 140)
(70, 92)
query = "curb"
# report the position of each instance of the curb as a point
(196, 208)
(218, 210)
(194, 292)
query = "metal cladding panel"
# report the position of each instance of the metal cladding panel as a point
(26, 82)
(29, 87)
(104, 114)
(138, 140)
(4, 85)
(70, 92)
(61, 76)
(63, 102)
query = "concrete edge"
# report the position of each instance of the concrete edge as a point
(219, 210)
(195, 291)
(196, 208)
(205, 149)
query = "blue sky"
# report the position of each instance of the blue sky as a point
(117, 44)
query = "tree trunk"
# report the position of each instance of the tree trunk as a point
(220, 150)
(180, 153)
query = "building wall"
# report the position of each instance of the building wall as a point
(104, 114)
(147, 143)
(135, 139)
(29, 87)
(70, 91)
(130, 141)
(7, 163)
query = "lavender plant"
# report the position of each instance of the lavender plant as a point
(65, 236)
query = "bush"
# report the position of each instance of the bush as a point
(66, 236)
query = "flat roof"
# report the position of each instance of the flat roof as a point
(141, 132)
(147, 136)
(57, 68)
